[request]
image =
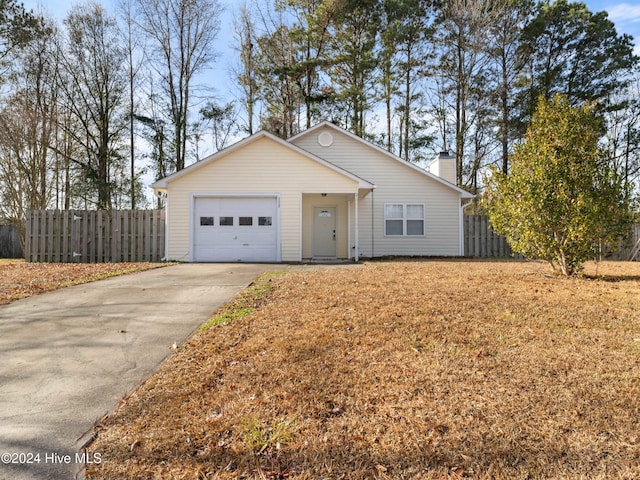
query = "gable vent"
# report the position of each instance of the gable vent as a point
(325, 139)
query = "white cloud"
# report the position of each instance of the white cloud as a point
(624, 12)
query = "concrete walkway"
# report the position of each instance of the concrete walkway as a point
(67, 357)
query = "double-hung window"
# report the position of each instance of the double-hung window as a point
(404, 219)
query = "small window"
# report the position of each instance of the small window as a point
(264, 221)
(245, 221)
(401, 219)
(415, 227)
(226, 221)
(393, 211)
(206, 221)
(415, 219)
(394, 227)
(393, 219)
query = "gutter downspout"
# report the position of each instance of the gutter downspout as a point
(165, 197)
(462, 207)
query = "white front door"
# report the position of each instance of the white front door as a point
(324, 232)
(235, 229)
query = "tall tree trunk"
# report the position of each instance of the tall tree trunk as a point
(407, 106)
(504, 104)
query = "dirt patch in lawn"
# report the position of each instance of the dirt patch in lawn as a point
(413, 370)
(19, 279)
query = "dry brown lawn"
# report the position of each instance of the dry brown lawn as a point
(20, 279)
(401, 370)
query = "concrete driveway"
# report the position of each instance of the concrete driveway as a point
(67, 357)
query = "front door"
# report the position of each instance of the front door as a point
(324, 232)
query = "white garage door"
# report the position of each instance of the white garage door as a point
(235, 229)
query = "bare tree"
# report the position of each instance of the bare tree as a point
(157, 133)
(222, 121)
(406, 38)
(246, 74)
(504, 42)
(93, 85)
(622, 136)
(279, 81)
(27, 129)
(135, 54)
(464, 60)
(182, 34)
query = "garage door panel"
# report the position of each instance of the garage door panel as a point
(235, 229)
(216, 234)
(243, 253)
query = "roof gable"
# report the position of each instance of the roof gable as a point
(385, 154)
(163, 183)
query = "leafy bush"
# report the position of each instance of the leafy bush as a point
(562, 197)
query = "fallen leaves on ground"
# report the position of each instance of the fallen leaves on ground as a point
(22, 279)
(402, 370)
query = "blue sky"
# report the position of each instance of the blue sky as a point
(625, 14)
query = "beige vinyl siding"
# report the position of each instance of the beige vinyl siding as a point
(260, 167)
(395, 183)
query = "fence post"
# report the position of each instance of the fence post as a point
(162, 232)
(27, 236)
(467, 235)
(55, 241)
(141, 245)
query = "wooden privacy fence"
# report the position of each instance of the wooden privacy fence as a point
(635, 244)
(481, 241)
(87, 236)
(628, 249)
(10, 242)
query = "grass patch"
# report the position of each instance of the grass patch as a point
(245, 303)
(260, 436)
(404, 370)
(226, 317)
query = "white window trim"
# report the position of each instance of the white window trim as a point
(404, 220)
